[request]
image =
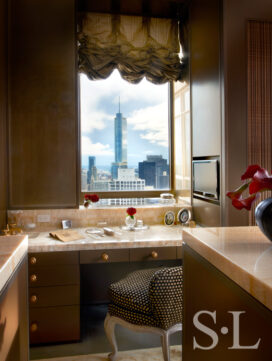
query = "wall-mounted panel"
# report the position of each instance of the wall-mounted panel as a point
(43, 127)
(3, 111)
(235, 17)
(205, 77)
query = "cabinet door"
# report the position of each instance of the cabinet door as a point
(13, 317)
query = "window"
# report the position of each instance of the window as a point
(124, 137)
(182, 137)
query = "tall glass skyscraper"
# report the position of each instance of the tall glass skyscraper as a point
(120, 143)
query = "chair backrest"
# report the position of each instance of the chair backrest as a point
(165, 295)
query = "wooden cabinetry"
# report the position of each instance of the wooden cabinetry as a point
(13, 317)
(54, 297)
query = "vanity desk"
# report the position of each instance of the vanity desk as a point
(63, 276)
(227, 304)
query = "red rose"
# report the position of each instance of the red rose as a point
(131, 211)
(93, 198)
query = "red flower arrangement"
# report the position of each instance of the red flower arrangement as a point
(257, 180)
(90, 198)
(131, 211)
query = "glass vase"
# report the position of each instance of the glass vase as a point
(130, 221)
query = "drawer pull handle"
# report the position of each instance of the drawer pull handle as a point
(33, 299)
(34, 327)
(154, 254)
(33, 260)
(33, 278)
(105, 256)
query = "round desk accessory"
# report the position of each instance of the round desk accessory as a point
(169, 218)
(184, 216)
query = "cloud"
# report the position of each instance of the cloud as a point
(92, 92)
(91, 120)
(153, 121)
(95, 149)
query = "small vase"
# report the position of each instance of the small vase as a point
(86, 204)
(263, 215)
(130, 221)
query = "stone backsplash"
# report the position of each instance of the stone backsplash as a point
(49, 219)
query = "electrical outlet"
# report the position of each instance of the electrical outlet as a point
(43, 218)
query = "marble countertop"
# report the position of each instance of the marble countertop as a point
(243, 254)
(155, 236)
(12, 250)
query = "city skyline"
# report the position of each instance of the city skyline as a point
(145, 106)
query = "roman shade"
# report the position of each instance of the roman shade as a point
(137, 46)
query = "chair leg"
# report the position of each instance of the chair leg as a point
(165, 346)
(109, 326)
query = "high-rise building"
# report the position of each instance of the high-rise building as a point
(120, 143)
(147, 171)
(92, 170)
(155, 171)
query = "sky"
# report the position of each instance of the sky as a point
(145, 106)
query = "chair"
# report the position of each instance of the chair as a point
(146, 301)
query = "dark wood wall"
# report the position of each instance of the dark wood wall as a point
(43, 121)
(236, 13)
(3, 111)
(205, 78)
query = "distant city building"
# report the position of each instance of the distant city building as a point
(127, 174)
(99, 186)
(92, 170)
(147, 171)
(120, 143)
(155, 171)
(118, 185)
(115, 167)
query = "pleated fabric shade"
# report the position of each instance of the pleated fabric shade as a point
(137, 46)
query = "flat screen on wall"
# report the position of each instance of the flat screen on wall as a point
(206, 179)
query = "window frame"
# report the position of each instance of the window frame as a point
(171, 150)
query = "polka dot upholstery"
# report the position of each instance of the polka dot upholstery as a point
(131, 292)
(148, 297)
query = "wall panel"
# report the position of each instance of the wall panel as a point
(235, 17)
(205, 80)
(3, 111)
(43, 129)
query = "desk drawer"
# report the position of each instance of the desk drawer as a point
(54, 275)
(54, 296)
(53, 258)
(104, 256)
(152, 254)
(54, 324)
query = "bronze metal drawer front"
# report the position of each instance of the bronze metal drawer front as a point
(54, 324)
(152, 253)
(104, 256)
(54, 296)
(53, 276)
(53, 258)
